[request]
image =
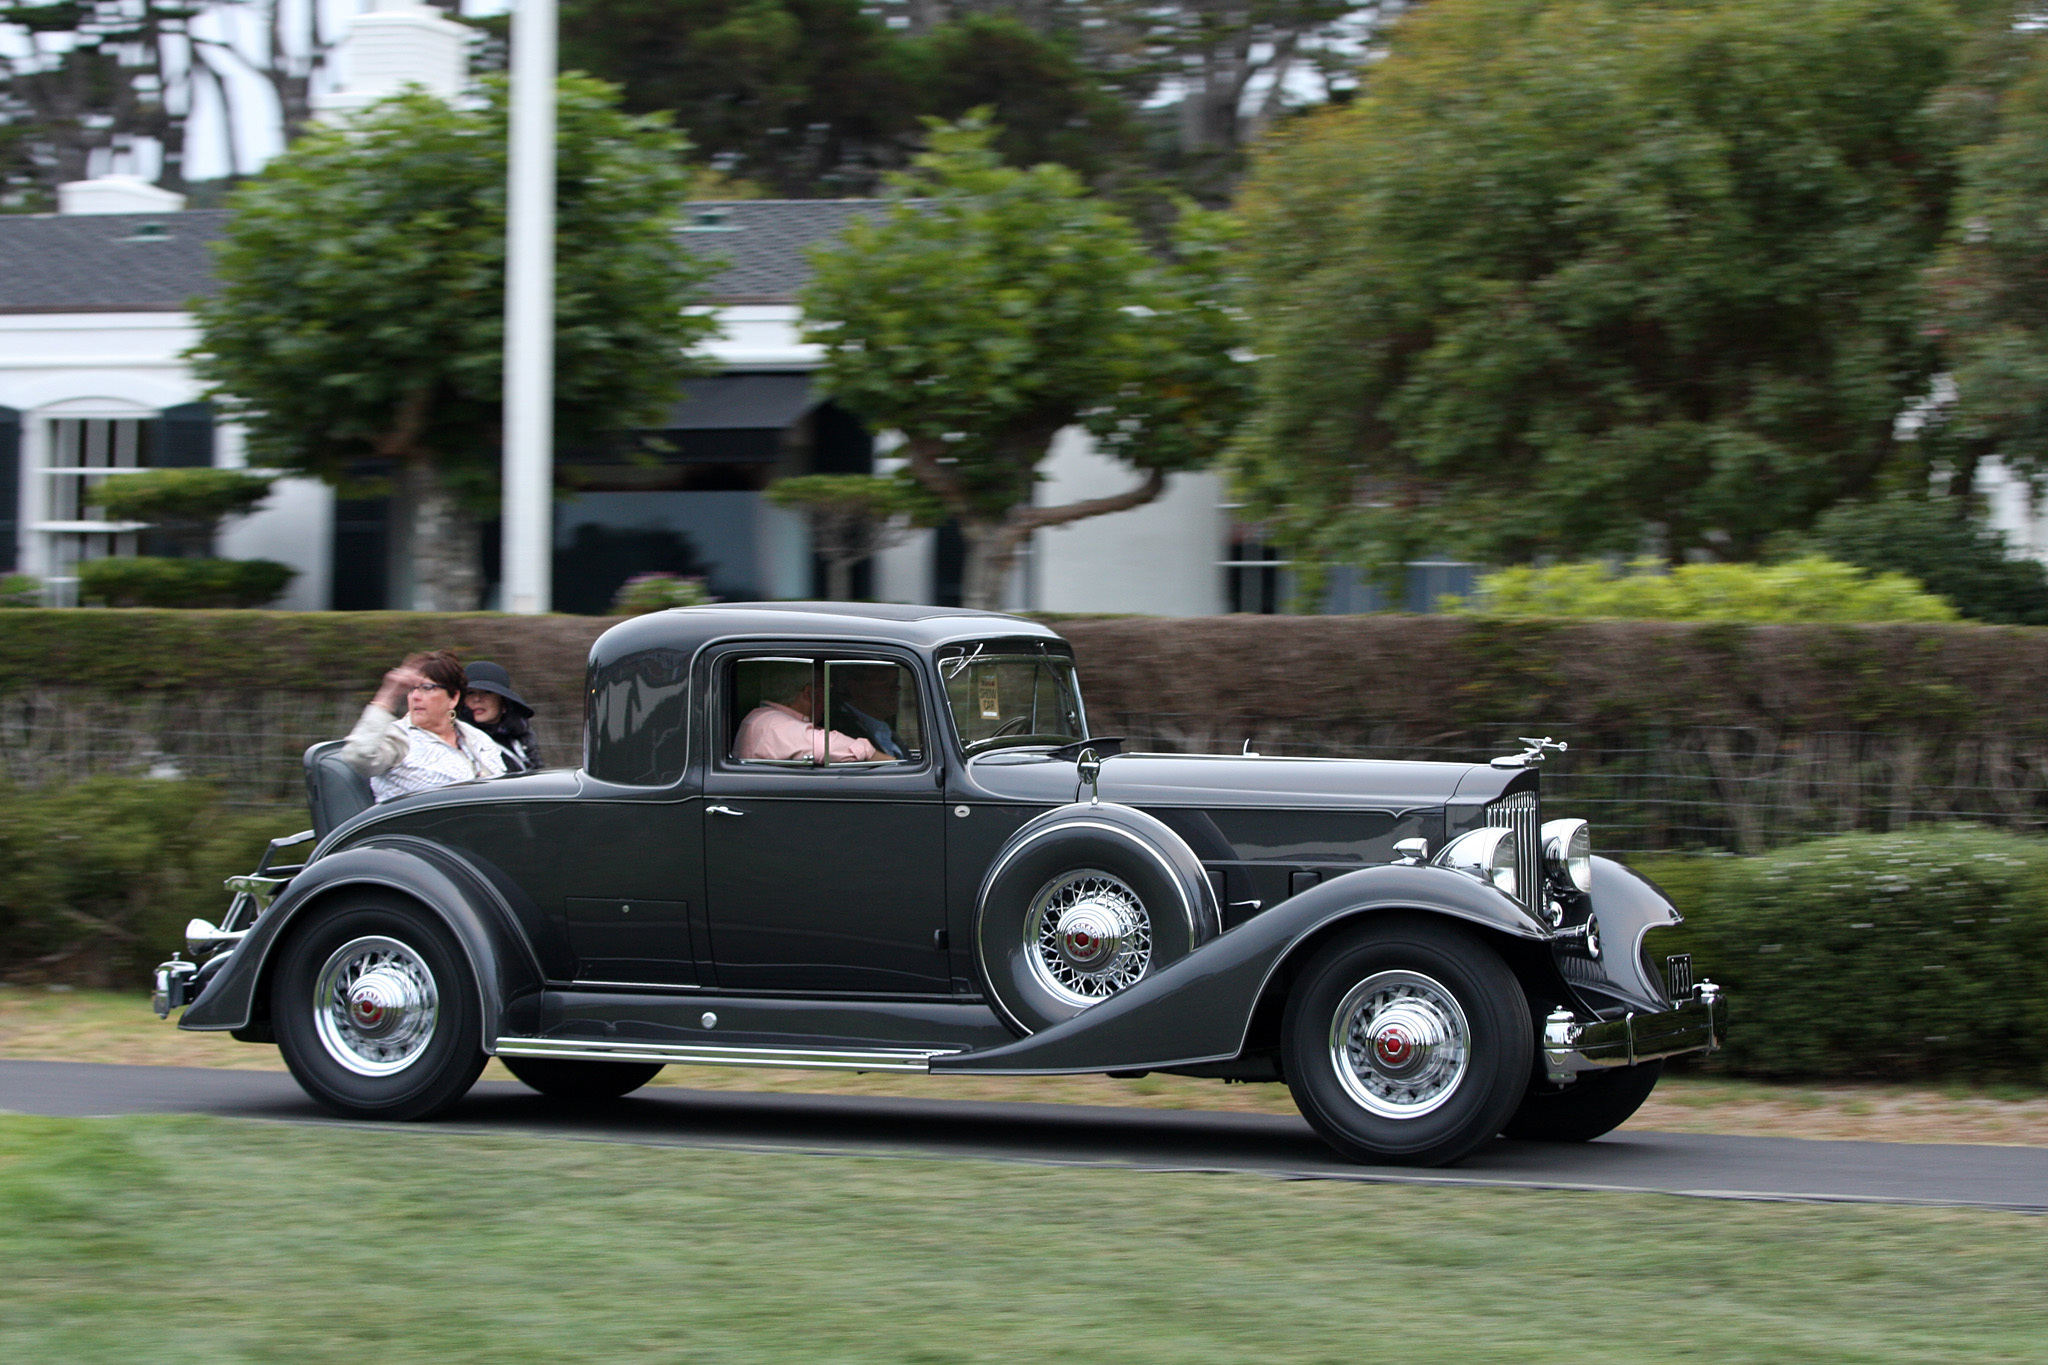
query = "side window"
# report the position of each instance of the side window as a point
(875, 701)
(806, 712)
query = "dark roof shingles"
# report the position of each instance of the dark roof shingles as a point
(102, 263)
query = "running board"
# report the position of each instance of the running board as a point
(701, 1054)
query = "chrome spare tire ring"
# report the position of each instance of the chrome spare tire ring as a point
(1400, 1044)
(1087, 936)
(375, 1006)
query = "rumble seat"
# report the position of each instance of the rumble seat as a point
(334, 791)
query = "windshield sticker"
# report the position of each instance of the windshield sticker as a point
(990, 710)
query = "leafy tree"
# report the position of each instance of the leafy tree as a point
(1953, 554)
(1991, 284)
(1040, 93)
(991, 308)
(804, 97)
(1809, 589)
(361, 309)
(854, 517)
(1594, 276)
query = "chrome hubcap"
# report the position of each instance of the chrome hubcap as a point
(1087, 936)
(375, 1006)
(1399, 1044)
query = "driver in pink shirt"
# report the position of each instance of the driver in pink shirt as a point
(783, 730)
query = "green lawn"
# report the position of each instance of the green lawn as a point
(204, 1240)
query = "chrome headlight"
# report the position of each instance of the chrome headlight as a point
(1568, 852)
(1487, 853)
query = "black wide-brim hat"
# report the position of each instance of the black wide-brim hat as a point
(487, 677)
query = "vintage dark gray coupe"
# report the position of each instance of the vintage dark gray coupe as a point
(950, 874)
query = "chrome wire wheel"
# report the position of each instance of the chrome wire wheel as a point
(375, 1006)
(1400, 1044)
(1087, 936)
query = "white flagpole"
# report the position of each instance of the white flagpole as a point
(526, 573)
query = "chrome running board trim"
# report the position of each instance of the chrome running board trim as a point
(708, 1054)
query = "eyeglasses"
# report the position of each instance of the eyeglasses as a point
(428, 687)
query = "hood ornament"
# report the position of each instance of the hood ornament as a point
(1537, 751)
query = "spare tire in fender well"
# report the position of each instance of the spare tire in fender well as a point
(1125, 893)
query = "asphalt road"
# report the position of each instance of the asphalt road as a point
(1140, 1139)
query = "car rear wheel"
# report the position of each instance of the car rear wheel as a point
(571, 1080)
(375, 1010)
(1407, 1042)
(1597, 1103)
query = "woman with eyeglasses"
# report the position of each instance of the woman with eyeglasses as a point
(410, 738)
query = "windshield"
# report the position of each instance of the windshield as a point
(1004, 695)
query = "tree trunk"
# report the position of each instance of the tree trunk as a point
(991, 559)
(838, 579)
(438, 547)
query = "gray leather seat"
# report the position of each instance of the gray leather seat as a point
(334, 791)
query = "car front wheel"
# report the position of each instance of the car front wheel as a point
(1407, 1042)
(375, 1010)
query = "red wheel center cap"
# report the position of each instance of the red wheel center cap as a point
(1393, 1046)
(368, 1011)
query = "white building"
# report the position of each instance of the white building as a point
(95, 324)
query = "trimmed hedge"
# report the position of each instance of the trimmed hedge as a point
(98, 879)
(1338, 673)
(1882, 956)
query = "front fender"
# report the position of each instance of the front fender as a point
(501, 961)
(1199, 1009)
(1628, 906)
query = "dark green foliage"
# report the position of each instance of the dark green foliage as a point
(1990, 289)
(20, 590)
(1952, 554)
(1045, 101)
(97, 879)
(1917, 954)
(185, 505)
(1597, 276)
(151, 581)
(803, 97)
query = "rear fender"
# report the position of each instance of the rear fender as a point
(1200, 1008)
(501, 961)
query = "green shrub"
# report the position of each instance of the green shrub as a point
(97, 879)
(1809, 589)
(1917, 954)
(149, 581)
(186, 506)
(1933, 540)
(647, 592)
(20, 590)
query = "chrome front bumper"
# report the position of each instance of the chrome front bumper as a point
(1571, 1046)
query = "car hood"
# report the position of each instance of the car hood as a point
(1205, 780)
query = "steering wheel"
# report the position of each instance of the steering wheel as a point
(1009, 727)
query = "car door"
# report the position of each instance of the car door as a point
(824, 828)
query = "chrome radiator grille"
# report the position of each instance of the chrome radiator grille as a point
(1520, 813)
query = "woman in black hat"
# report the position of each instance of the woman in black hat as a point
(490, 704)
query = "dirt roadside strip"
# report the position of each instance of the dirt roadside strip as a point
(38, 1024)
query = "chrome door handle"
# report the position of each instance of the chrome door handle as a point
(722, 810)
